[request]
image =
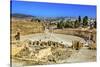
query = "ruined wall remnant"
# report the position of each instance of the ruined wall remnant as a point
(77, 45)
(17, 36)
(41, 52)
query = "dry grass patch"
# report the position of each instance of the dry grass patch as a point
(27, 27)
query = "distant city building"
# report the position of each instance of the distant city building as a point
(91, 23)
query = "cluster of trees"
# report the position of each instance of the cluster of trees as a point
(80, 22)
(68, 24)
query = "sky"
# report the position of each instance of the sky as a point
(52, 9)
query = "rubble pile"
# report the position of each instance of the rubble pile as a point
(41, 52)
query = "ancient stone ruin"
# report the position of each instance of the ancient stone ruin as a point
(41, 52)
(17, 36)
(77, 45)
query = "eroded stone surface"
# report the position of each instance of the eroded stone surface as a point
(39, 52)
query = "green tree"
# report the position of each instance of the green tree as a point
(79, 19)
(60, 25)
(66, 24)
(76, 24)
(85, 21)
